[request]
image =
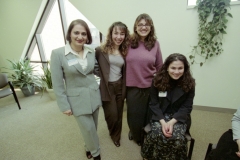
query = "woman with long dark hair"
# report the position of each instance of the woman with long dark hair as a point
(171, 100)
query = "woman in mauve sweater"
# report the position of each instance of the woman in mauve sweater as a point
(143, 60)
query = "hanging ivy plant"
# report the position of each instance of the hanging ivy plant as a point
(213, 20)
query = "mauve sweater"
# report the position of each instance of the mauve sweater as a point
(141, 65)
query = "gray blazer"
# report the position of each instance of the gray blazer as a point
(236, 125)
(74, 88)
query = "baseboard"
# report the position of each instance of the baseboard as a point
(214, 109)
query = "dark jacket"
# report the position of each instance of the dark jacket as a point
(102, 70)
(181, 103)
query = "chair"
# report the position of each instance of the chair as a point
(7, 91)
(191, 145)
(147, 128)
(210, 147)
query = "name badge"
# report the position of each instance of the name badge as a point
(72, 62)
(162, 94)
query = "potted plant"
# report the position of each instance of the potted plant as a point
(47, 80)
(22, 76)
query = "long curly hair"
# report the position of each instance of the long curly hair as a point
(162, 78)
(151, 38)
(108, 46)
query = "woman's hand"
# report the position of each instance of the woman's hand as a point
(238, 153)
(165, 128)
(68, 112)
(171, 124)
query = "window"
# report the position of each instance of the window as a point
(51, 31)
(193, 2)
(72, 13)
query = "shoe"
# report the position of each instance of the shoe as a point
(88, 154)
(97, 158)
(117, 143)
(130, 136)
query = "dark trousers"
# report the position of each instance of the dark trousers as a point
(137, 107)
(113, 110)
(226, 148)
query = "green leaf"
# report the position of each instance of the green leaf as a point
(230, 15)
(191, 56)
(225, 20)
(201, 64)
(223, 32)
(207, 10)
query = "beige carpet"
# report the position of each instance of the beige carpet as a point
(40, 132)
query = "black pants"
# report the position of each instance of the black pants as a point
(225, 149)
(137, 107)
(113, 110)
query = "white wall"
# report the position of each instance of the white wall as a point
(176, 27)
(17, 19)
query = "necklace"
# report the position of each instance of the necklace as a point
(78, 52)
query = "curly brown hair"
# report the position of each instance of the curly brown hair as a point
(108, 46)
(162, 78)
(151, 38)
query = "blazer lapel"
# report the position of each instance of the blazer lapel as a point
(90, 62)
(77, 65)
(178, 92)
(105, 55)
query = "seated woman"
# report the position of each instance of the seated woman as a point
(236, 130)
(228, 146)
(171, 99)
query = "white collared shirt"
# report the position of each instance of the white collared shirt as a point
(82, 61)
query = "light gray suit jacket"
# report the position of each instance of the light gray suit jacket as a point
(236, 125)
(74, 88)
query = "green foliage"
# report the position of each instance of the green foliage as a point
(46, 77)
(21, 74)
(210, 31)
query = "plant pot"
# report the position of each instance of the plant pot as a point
(51, 94)
(28, 93)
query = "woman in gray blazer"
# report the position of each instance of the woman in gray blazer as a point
(74, 84)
